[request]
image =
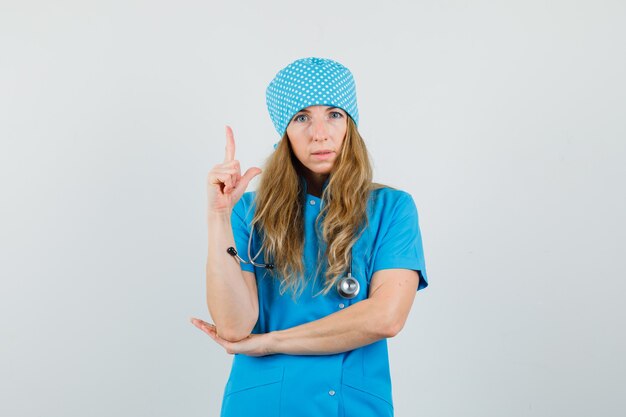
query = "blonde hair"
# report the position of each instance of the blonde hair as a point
(279, 212)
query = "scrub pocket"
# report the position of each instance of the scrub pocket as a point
(365, 397)
(253, 392)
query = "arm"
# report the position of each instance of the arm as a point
(231, 293)
(381, 315)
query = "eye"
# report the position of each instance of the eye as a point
(339, 115)
(297, 118)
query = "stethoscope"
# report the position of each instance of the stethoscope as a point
(347, 287)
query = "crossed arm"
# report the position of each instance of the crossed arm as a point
(381, 315)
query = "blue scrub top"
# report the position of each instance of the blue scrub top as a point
(354, 383)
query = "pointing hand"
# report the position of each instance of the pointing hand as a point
(225, 184)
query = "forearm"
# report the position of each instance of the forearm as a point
(358, 325)
(230, 301)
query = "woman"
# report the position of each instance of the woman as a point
(337, 259)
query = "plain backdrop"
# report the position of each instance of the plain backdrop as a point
(505, 120)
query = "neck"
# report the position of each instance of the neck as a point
(314, 183)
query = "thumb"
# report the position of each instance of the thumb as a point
(247, 177)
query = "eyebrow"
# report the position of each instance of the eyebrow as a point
(328, 109)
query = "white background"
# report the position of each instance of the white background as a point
(505, 120)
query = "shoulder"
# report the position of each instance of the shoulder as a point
(247, 199)
(387, 199)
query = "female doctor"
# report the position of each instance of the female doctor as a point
(309, 275)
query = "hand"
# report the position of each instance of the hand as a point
(225, 184)
(253, 345)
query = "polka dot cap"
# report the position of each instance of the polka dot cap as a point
(307, 82)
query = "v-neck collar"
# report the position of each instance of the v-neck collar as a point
(311, 196)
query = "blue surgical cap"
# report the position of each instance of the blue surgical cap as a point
(309, 82)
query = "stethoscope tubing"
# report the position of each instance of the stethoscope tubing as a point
(347, 287)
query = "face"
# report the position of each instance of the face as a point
(316, 129)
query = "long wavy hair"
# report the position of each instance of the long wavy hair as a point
(279, 213)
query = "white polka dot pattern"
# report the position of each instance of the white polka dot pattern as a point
(307, 82)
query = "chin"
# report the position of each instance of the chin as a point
(321, 165)
(321, 171)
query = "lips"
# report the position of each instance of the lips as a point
(323, 155)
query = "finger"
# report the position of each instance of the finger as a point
(198, 323)
(230, 145)
(226, 179)
(234, 164)
(211, 330)
(247, 177)
(222, 172)
(229, 164)
(212, 334)
(234, 173)
(202, 328)
(206, 327)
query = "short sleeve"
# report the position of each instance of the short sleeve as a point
(241, 232)
(400, 244)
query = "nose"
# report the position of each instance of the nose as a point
(320, 130)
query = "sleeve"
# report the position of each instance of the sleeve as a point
(241, 233)
(401, 242)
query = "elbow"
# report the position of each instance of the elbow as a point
(395, 328)
(234, 328)
(391, 330)
(392, 326)
(236, 333)
(232, 335)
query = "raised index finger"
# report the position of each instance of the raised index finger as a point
(230, 145)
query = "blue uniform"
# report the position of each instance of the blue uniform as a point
(350, 384)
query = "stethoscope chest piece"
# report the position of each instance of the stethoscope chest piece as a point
(348, 287)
